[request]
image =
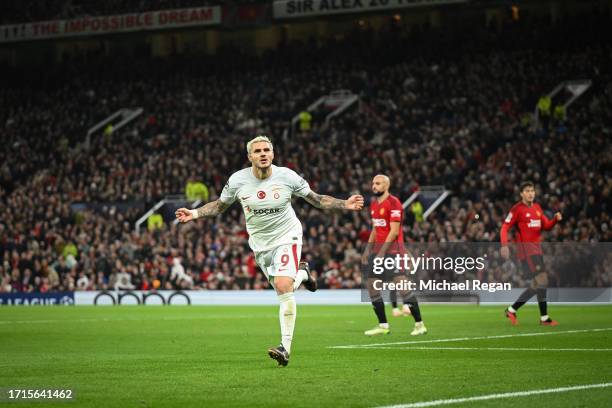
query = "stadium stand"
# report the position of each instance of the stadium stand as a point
(436, 109)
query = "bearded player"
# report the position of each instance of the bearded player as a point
(529, 219)
(275, 233)
(387, 238)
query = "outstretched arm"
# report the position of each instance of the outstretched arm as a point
(548, 224)
(208, 210)
(509, 222)
(325, 202)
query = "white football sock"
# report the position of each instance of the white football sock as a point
(511, 309)
(300, 277)
(544, 318)
(286, 316)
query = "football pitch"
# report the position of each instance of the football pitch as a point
(203, 356)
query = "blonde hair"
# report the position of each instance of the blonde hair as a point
(259, 138)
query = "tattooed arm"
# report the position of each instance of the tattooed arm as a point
(208, 210)
(326, 202)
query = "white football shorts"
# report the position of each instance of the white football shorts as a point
(280, 261)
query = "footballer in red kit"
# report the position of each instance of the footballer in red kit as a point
(387, 238)
(528, 220)
(383, 214)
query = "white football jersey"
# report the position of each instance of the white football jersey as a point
(270, 219)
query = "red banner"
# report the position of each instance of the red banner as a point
(153, 20)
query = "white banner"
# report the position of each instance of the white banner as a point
(307, 8)
(303, 297)
(95, 25)
(213, 297)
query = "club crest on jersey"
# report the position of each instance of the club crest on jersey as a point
(538, 214)
(261, 194)
(382, 211)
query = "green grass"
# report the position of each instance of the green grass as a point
(136, 356)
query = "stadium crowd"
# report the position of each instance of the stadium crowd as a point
(456, 116)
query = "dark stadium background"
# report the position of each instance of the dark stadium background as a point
(447, 96)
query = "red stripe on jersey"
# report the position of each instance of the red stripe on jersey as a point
(295, 257)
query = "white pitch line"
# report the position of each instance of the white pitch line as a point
(498, 396)
(492, 348)
(501, 336)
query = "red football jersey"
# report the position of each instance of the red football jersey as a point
(529, 222)
(383, 214)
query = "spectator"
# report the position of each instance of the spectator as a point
(458, 125)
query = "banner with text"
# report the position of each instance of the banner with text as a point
(36, 298)
(463, 271)
(95, 25)
(308, 8)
